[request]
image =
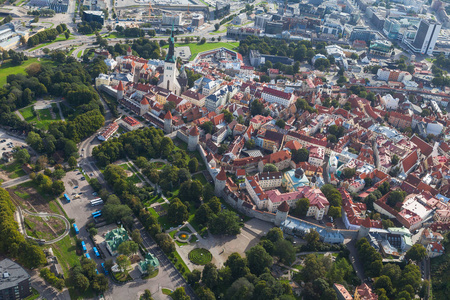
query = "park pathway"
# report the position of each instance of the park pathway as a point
(155, 186)
(60, 112)
(19, 115)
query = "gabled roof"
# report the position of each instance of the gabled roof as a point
(410, 161)
(424, 147)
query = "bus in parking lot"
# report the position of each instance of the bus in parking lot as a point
(97, 214)
(87, 255)
(104, 269)
(96, 202)
(83, 245)
(67, 198)
(96, 252)
(75, 227)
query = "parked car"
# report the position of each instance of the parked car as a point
(75, 187)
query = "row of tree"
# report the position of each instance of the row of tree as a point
(46, 35)
(13, 243)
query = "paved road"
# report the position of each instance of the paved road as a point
(15, 181)
(354, 259)
(43, 215)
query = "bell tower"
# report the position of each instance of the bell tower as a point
(170, 76)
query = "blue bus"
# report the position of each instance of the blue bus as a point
(97, 214)
(75, 227)
(67, 198)
(87, 255)
(83, 245)
(104, 269)
(96, 271)
(96, 252)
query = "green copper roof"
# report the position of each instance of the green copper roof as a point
(170, 57)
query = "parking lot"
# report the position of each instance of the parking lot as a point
(79, 208)
(9, 142)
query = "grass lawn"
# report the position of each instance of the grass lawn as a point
(154, 199)
(14, 169)
(166, 291)
(80, 53)
(49, 23)
(65, 251)
(200, 177)
(28, 115)
(7, 68)
(46, 118)
(115, 35)
(152, 274)
(71, 51)
(217, 32)
(60, 38)
(159, 165)
(196, 49)
(133, 178)
(23, 195)
(181, 261)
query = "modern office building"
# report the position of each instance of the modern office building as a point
(261, 20)
(14, 281)
(426, 37)
(391, 28)
(94, 15)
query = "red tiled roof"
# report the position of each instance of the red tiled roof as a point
(410, 161)
(284, 207)
(144, 101)
(424, 147)
(194, 131)
(168, 116)
(130, 121)
(221, 176)
(276, 93)
(120, 87)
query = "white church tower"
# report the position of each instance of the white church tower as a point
(170, 76)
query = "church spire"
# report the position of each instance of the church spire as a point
(170, 57)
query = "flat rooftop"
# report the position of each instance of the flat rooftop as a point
(11, 274)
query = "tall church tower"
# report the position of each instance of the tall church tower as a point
(170, 76)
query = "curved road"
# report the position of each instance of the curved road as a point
(21, 212)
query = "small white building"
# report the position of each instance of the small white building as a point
(390, 102)
(110, 63)
(239, 19)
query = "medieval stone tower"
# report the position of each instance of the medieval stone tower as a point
(168, 122)
(193, 138)
(120, 90)
(219, 182)
(282, 213)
